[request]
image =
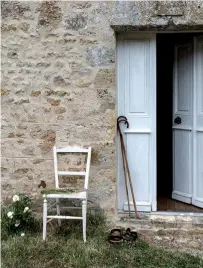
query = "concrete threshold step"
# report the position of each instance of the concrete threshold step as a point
(169, 231)
(164, 231)
(166, 221)
(192, 232)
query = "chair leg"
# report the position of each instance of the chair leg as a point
(58, 210)
(44, 219)
(84, 210)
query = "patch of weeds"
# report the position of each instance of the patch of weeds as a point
(60, 93)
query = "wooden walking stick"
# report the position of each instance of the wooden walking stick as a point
(126, 183)
(130, 181)
(124, 168)
(125, 162)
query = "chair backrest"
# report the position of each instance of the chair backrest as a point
(72, 173)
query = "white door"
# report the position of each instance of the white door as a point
(136, 79)
(182, 122)
(197, 199)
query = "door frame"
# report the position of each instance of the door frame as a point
(153, 183)
(196, 129)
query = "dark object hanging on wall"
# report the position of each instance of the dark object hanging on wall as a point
(42, 184)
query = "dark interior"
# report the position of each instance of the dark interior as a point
(164, 114)
(165, 56)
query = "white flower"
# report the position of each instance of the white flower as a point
(22, 234)
(17, 223)
(25, 209)
(16, 198)
(10, 214)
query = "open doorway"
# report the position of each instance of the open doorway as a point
(165, 121)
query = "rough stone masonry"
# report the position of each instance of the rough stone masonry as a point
(59, 87)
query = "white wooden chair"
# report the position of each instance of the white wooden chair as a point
(79, 195)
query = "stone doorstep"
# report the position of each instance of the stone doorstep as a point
(174, 232)
(149, 220)
(171, 232)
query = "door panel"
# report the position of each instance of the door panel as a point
(136, 61)
(182, 158)
(136, 96)
(182, 130)
(198, 124)
(138, 162)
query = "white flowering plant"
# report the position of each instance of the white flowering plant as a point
(17, 218)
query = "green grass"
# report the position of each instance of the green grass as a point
(65, 248)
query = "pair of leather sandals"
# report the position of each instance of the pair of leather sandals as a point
(117, 236)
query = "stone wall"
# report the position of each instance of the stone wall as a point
(58, 84)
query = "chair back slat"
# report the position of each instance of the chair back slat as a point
(72, 173)
(71, 150)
